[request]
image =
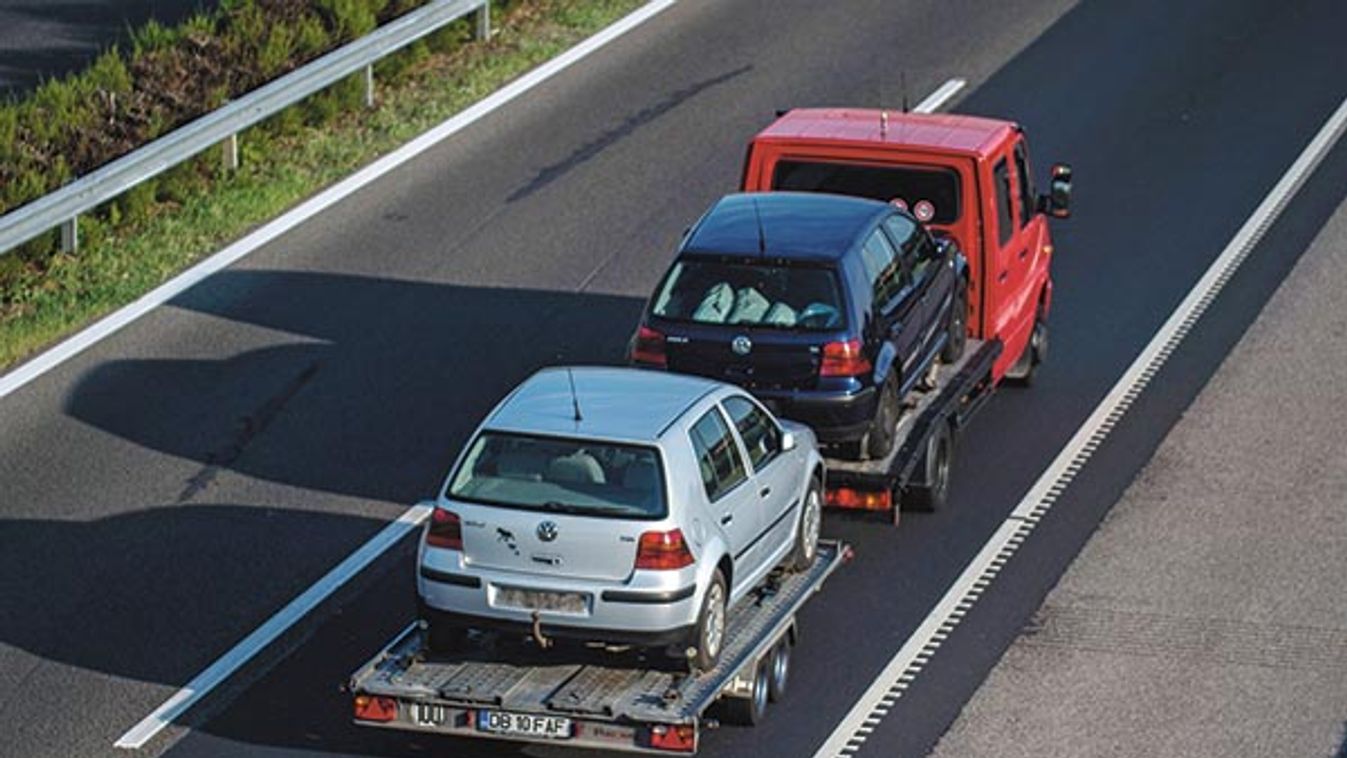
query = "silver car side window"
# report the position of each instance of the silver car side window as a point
(760, 434)
(722, 468)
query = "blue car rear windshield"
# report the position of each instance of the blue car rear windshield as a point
(769, 295)
(580, 477)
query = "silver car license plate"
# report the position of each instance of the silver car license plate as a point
(523, 725)
(540, 600)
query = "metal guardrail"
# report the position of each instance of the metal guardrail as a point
(63, 207)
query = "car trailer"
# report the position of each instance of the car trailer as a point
(916, 472)
(540, 696)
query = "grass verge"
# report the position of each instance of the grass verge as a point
(156, 231)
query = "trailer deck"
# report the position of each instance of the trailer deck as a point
(960, 389)
(579, 697)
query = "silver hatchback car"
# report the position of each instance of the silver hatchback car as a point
(621, 506)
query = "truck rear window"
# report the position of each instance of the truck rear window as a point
(582, 477)
(937, 186)
(765, 295)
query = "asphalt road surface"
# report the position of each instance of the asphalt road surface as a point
(169, 489)
(44, 39)
(1194, 622)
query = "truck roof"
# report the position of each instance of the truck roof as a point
(791, 225)
(943, 132)
(628, 404)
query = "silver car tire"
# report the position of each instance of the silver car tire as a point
(811, 522)
(708, 636)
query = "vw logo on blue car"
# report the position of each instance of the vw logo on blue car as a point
(547, 531)
(741, 345)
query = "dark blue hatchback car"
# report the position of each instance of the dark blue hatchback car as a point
(829, 309)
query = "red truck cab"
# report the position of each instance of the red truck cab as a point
(963, 176)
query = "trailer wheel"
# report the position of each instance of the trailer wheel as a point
(931, 494)
(958, 325)
(779, 670)
(748, 711)
(806, 537)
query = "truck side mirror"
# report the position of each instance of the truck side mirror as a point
(1057, 203)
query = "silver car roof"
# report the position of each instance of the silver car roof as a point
(615, 403)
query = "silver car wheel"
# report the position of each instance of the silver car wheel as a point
(715, 619)
(812, 518)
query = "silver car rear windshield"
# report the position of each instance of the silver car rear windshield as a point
(561, 475)
(799, 298)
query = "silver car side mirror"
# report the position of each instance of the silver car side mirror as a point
(787, 441)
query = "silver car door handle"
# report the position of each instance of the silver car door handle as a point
(765, 491)
(727, 518)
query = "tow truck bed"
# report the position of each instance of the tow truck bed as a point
(580, 698)
(960, 390)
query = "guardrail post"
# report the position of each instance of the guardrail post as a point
(70, 235)
(484, 20)
(231, 152)
(369, 86)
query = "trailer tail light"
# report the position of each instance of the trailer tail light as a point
(679, 738)
(843, 359)
(648, 348)
(446, 530)
(663, 551)
(865, 500)
(380, 709)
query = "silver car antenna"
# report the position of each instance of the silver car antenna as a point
(575, 399)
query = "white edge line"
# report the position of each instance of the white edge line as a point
(868, 710)
(249, 646)
(114, 321)
(942, 95)
(244, 651)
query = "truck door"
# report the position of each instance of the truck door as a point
(1010, 263)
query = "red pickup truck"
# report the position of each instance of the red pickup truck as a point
(964, 176)
(967, 178)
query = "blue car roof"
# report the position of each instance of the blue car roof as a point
(789, 225)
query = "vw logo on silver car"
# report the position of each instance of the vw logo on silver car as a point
(547, 531)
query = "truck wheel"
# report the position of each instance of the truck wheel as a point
(958, 325)
(806, 537)
(878, 441)
(708, 637)
(779, 670)
(931, 495)
(748, 711)
(1034, 353)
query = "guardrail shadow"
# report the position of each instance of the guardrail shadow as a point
(372, 397)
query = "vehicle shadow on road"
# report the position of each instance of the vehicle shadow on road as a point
(156, 595)
(369, 392)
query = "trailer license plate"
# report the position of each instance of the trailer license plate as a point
(429, 714)
(537, 600)
(523, 725)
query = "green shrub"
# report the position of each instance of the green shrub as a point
(349, 19)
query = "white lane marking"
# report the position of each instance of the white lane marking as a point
(849, 735)
(264, 635)
(941, 96)
(241, 653)
(114, 321)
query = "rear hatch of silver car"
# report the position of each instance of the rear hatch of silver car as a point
(549, 544)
